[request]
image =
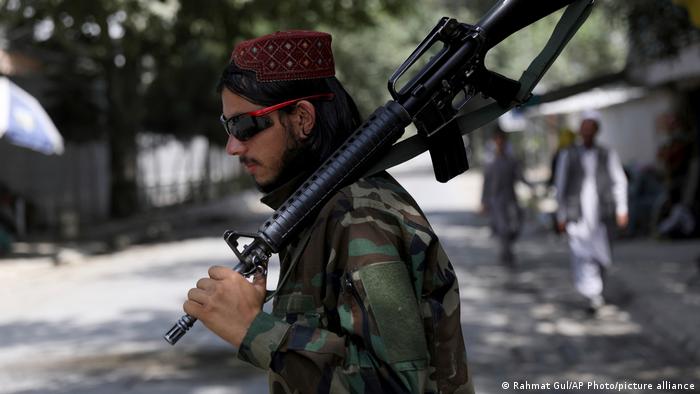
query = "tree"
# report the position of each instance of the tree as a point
(616, 35)
(655, 28)
(93, 51)
(121, 67)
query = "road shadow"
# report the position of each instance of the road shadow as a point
(529, 324)
(125, 354)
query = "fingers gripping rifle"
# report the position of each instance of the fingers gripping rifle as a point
(429, 99)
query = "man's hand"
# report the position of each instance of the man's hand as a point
(622, 220)
(226, 302)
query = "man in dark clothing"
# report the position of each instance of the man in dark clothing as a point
(498, 197)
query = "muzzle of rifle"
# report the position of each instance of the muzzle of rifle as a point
(179, 329)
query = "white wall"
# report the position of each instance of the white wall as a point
(169, 169)
(627, 125)
(630, 128)
(76, 184)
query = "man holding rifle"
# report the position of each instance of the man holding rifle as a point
(367, 299)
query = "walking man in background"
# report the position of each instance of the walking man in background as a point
(498, 197)
(592, 196)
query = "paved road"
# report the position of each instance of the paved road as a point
(96, 326)
(530, 326)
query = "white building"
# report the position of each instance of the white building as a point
(629, 105)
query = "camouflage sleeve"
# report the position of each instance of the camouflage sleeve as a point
(380, 341)
(263, 338)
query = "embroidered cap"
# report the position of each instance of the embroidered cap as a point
(286, 56)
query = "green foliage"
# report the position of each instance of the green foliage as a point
(596, 49)
(205, 33)
(366, 58)
(158, 61)
(117, 67)
(655, 28)
(365, 62)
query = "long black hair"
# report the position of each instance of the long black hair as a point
(335, 119)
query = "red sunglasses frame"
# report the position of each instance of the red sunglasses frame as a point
(264, 111)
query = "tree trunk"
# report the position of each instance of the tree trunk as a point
(122, 123)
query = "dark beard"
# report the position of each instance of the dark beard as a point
(295, 161)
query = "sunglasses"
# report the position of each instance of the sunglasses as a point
(246, 125)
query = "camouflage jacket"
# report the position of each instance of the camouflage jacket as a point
(368, 302)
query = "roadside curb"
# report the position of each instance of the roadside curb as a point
(169, 224)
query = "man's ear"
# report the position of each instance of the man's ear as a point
(303, 119)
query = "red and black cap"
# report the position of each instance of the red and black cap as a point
(286, 56)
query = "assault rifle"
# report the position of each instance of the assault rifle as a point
(431, 98)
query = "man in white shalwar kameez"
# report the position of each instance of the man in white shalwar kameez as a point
(592, 196)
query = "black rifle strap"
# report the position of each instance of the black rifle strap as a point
(568, 25)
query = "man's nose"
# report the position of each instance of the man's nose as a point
(234, 146)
